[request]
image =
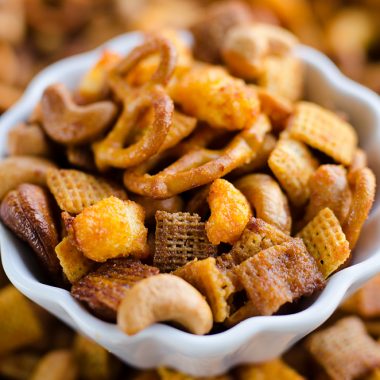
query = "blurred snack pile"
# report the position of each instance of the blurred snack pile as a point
(34, 33)
(36, 346)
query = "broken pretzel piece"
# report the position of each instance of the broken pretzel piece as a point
(278, 275)
(103, 289)
(75, 190)
(326, 242)
(180, 238)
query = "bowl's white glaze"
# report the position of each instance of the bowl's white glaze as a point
(254, 340)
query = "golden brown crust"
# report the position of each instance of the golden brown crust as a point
(103, 289)
(293, 164)
(230, 213)
(75, 190)
(323, 130)
(111, 228)
(326, 242)
(363, 183)
(278, 275)
(205, 276)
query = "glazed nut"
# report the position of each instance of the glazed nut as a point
(27, 212)
(246, 46)
(69, 123)
(160, 298)
(22, 169)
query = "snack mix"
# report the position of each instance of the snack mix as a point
(194, 186)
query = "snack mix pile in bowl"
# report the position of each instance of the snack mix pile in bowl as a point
(166, 189)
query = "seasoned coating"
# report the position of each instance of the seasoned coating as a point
(20, 325)
(27, 140)
(293, 164)
(68, 123)
(323, 130)
(180, 238)
(257, 236)
(345, 350)
(74, 264)
(267, 199)
(275, 106)
(205, 276)
(210, 94)
(359, 161)
(274, 369)
(75, 190)
(278, 275)
(326, 242)
(209, 33)
(28, 213)
(283, 77)
(111, 228)
(365, 302)
(260, 160)
(103, 289)
(56, 365)
(363, 184)
(329, 188)
(230, 213)
(171, 374)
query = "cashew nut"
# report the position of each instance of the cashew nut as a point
(164, 297)
(21, 169)
(246, 46)
(69, 123)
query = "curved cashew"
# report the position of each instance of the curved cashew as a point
(21, 169)
(246, 46)
(68, 123)
(164, 297)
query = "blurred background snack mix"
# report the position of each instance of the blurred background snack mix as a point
(34, 33)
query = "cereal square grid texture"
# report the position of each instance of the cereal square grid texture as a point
(75, 190)
(278, 275)
(293, 164)
(205, 276)
(103, 289)
(326, 242)
(323, 130)
(180, 238)
(257, 236)
(345, 350)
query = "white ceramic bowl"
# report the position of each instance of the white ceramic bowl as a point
(254, 340)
